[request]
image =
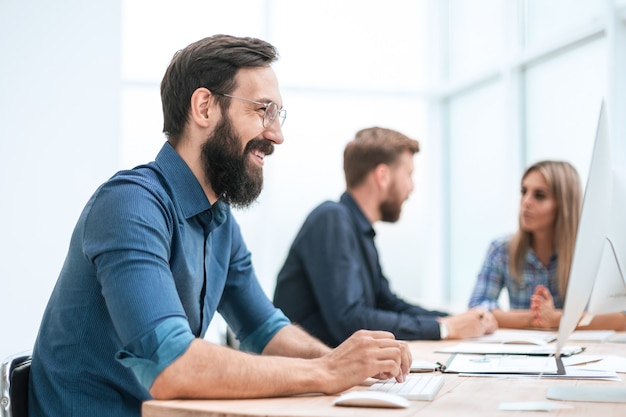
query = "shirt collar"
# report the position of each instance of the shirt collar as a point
(185, 186)
(531, 258)
(361, 221)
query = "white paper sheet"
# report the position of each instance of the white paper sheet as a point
(507, 349)
(529, 337)
(501, 364)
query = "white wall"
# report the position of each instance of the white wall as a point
(59, 138)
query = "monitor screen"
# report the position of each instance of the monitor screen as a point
(597, 271)
(591, 238)
(609, 290)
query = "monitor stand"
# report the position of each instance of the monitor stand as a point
(587, 393)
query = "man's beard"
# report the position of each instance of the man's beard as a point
(233, 177)
(390, 208)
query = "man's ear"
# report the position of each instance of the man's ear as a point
(382, 176)
(201, 107)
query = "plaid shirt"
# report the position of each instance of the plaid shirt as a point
(495, 275)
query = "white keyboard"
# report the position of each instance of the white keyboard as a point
(416, 387)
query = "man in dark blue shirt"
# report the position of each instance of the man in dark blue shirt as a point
(332, 283)
(156, 253)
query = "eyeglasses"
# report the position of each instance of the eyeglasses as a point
(270, 110)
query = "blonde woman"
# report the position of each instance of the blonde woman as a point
(533, 264)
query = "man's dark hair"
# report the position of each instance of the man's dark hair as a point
(371, 147)
(212, 63)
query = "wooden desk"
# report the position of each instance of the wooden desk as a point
(459, 396)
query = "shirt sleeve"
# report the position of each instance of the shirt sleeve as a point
(126, 235)
(333, 260)
(257, 340)
(153, 352)
(388, 300)
(490, 280)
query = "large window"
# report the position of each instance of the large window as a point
(533, 92)
(487, 86)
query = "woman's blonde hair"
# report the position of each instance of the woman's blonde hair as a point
(563, 180)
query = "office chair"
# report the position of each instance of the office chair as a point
(14, 385)
(231, 338)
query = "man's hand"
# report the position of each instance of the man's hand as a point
(473, 323)
(366, 354)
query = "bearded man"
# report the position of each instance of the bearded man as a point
(156, 252)
(332, 284)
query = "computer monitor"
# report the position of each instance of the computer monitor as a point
(596, 281)
(609, 290)
(591, 235)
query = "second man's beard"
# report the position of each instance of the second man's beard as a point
(391, 208)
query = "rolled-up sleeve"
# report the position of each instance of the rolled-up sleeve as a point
(127, 237)
(156, 350)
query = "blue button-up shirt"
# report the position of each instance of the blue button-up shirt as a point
(332, 283)
(150, 262)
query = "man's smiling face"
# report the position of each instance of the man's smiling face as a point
(232, 163)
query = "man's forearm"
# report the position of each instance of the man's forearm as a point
(206, 370)
(295, 342)
(212, 371)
